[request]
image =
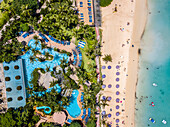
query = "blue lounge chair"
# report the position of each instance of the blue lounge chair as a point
(81, 4)
(69, 120)
(89, 8)
(84, 111)
(89, 112)
(21, 32)
(83, 116)
(87, 118)
(89, 4)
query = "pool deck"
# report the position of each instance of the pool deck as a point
(2, 86)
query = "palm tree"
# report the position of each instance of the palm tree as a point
(107, 58)
(32, 59)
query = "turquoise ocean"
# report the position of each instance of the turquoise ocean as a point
(154, 67)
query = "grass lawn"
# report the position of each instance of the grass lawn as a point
(85, 59)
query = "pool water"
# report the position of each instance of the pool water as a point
(73, 109)
(29, 67)
(45, 107)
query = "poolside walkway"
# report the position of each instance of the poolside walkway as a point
(3, 105)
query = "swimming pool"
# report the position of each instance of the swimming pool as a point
(73, 109)
(29, 67)
(45, 107)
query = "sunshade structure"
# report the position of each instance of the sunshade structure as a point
(103, 76)
(109, 86)
(117, 120)
(117, 100)
(59, 117)
(117, 93)
(117, 106)
(117, 67)
(109, 98)
(117, 86)
(103, 86)
(117, 79)
(103, 67)
(109, 67)
(117, 113)
(104, 113)
(109, 115)
(117, 73)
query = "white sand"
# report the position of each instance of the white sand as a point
(115, 43)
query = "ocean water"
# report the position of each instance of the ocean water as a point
(154, 67)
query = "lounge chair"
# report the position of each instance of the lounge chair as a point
(69, 120)
(83, 116)
(87, 118)
(84, 111)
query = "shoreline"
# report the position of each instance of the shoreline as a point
(140, 20)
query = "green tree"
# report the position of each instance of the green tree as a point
(75, 124)
(91, 123)
(107, 58)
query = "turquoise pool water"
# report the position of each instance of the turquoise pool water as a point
(29, 67)
(73, 109)
(154, 68)
(45, 107)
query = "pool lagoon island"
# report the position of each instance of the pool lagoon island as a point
(153, 87)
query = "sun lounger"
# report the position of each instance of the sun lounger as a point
(69, 120)
(87, 118)
(84, 111)
(83, 116)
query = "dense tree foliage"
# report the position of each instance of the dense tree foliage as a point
(107, 58)
(21, 117)
(75, 124)
(10, 51)
(104, 3)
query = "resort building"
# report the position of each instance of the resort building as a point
(86, 11)
(14, 84)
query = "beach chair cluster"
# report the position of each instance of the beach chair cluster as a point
(75, 57)
(81, 4)
(82, 17)
(81, 44)
(88, 116)
(89, 10)
(25, 35)
(57, 41)
(69, 121)
(41, 35)
(21, 32)
(80, 56)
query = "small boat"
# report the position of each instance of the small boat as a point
(152, 120)
(154, 84)
(164, 121)
(152, 104)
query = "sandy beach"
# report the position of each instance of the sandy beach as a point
(122, 31)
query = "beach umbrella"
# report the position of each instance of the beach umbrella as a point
(103, 86)
(117, 79)
(109, 86)
(117, 67)
(117, 73)
(104, 97)
(117, 86)
(117, 126)
(117, 106)
(117, 92)
(117, 113)
(109, 98)
(117, 120)
(109, 115)
(109, 67)
(117, 99)
(109, 125)
(103, 67)
(103, 76)
(104, 113)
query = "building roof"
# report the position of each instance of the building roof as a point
(15, 84)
